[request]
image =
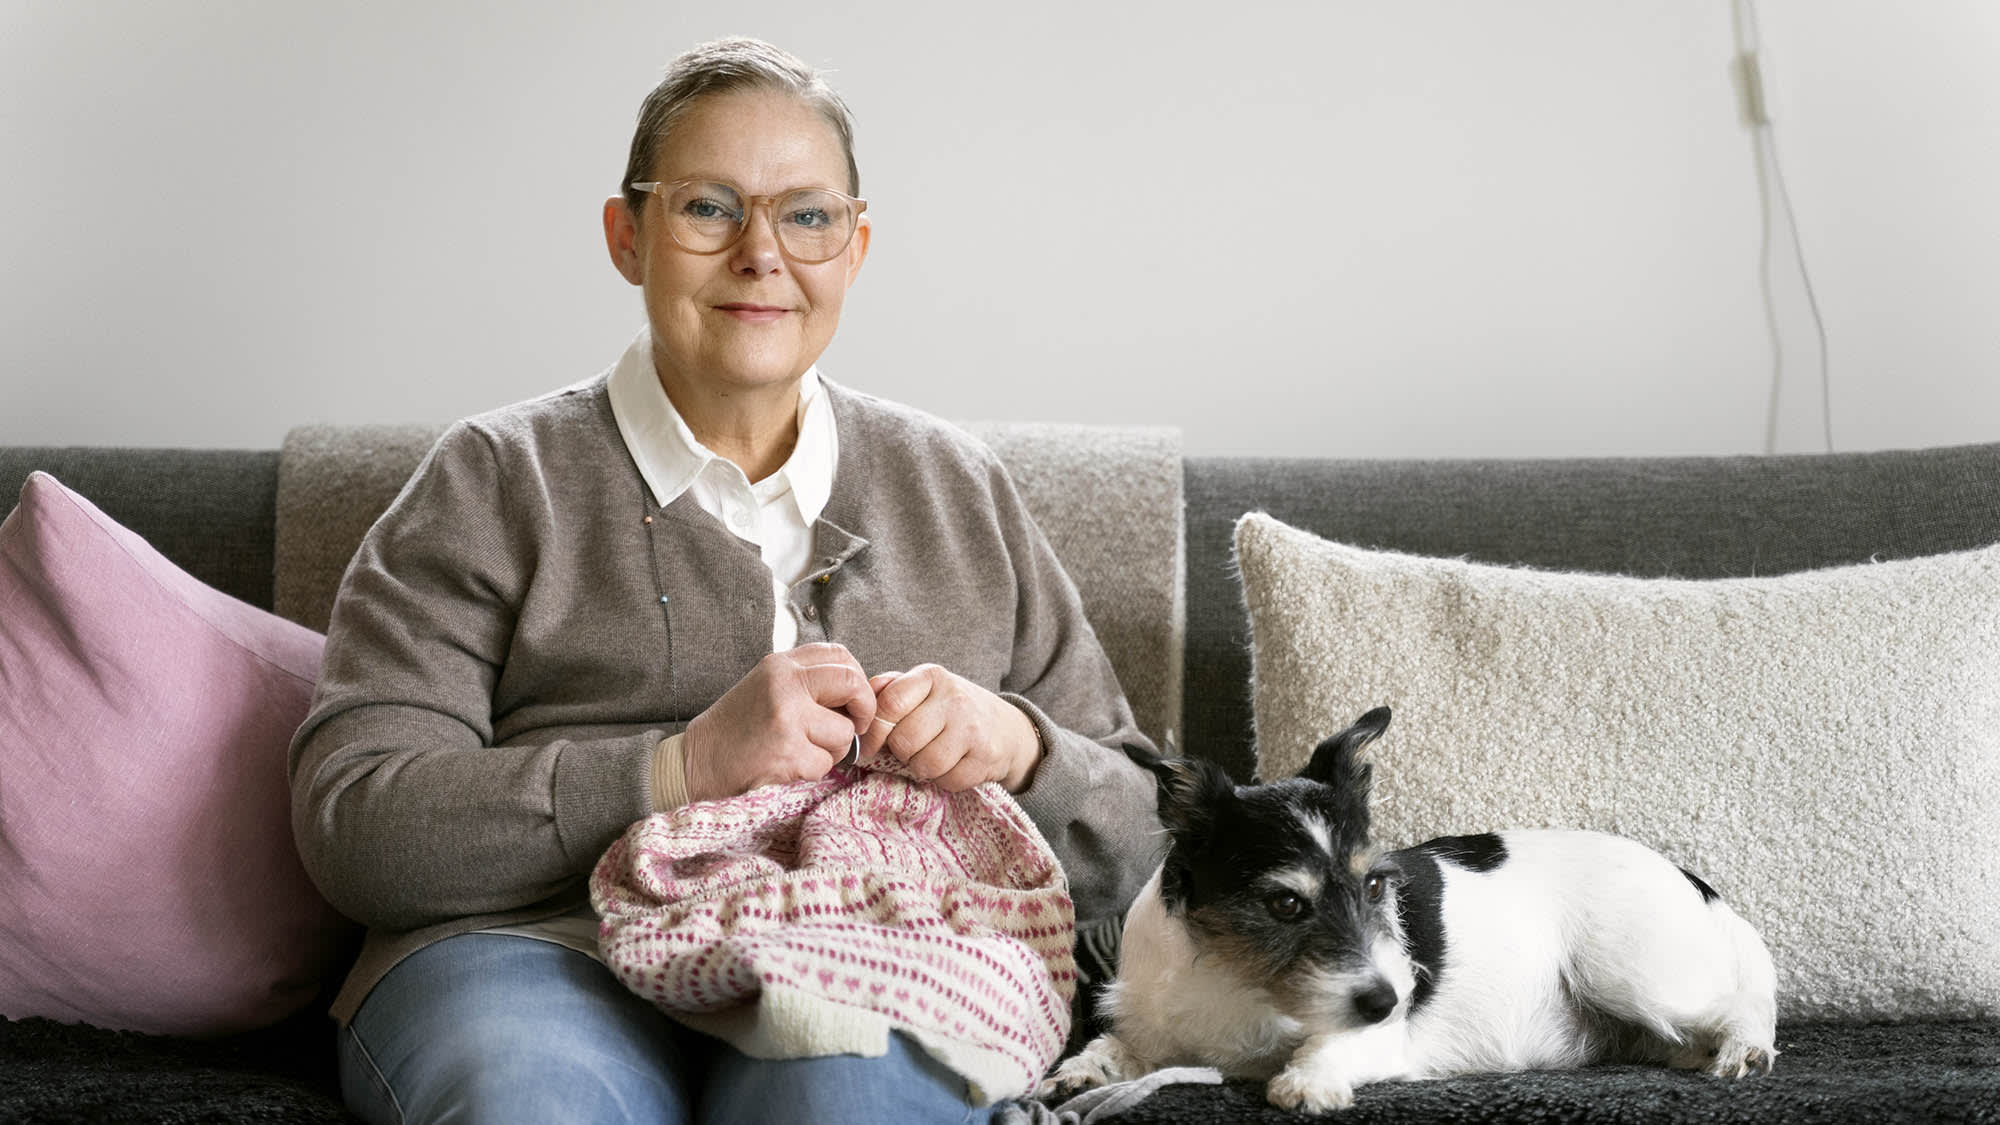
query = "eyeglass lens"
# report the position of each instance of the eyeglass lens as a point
(812, 225)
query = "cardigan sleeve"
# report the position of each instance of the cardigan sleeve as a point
(404, 811)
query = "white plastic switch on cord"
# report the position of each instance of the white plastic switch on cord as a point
(1756, 97)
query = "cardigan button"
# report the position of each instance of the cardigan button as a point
(812, 612)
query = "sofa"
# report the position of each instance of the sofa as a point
(1151, 537)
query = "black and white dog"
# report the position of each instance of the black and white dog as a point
(1275, 944)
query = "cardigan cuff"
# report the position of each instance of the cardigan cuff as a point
(668, 783)
(1059, 788)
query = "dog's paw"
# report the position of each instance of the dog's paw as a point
(1736, 1059)
(1086, 1070)
(1308, 1091)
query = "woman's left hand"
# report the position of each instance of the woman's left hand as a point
(950, 731)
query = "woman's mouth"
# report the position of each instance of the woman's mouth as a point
(756, 314)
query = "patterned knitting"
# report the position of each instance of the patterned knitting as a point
(813, 919)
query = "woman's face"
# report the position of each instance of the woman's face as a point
(747, 317)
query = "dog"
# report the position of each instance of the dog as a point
(1274, 943)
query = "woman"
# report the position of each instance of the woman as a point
(706, 570)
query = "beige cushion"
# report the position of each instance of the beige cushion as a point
(1823, 747)
(1109, 499)
(333, 482)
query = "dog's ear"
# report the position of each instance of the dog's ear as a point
(1190, 789)
(1337, 761)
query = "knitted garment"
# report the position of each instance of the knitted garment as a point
(813, 919)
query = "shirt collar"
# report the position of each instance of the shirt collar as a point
(670, 457)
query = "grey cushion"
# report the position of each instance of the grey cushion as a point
(1109, 499)
(211, 511)
(1695, 517)
(333, 481)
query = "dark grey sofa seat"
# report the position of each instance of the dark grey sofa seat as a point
(213, 512)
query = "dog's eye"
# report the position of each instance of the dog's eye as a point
(1374, 887)
(1285, 906)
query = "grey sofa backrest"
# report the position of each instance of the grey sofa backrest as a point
(1109, 499)
(209, 510)
(214, 513)
(1688, 517)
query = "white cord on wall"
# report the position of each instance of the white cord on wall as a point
(1757, 109)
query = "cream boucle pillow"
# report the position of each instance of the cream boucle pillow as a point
(1823, 747)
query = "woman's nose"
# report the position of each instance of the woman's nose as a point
(757, 252)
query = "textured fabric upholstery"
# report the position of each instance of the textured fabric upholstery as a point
(210, 511)
(1109, 499)
(333, 482)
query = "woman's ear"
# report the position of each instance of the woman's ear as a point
(621, 238)
(857, 248)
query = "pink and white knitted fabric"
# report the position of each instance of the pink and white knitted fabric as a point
(813, 919)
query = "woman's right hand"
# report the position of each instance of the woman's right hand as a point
(790, 719)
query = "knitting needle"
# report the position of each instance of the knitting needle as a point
(854, 750)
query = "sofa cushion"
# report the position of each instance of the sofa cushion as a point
(209, 510)
(146, 854)
(1823, 747)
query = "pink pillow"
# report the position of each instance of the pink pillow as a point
(148, 879)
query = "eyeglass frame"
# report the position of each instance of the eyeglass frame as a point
(750, 204)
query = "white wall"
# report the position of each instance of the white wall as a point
(1433, 227)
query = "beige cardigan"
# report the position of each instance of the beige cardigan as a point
(515, 636)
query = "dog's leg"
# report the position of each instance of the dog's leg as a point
(1745, 1030)
(1314, 1081)
(1734, 1040)
(1324, 1071)
(1663, 953)
(1105, 1060)
(1734, 1057)
(1732, 1032)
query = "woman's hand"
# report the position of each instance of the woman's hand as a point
(790, 719)
(950, 731)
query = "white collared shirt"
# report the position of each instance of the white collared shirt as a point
(776, 513)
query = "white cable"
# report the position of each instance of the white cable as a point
(1758, 109)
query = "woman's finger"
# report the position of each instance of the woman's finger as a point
(898, 695)
(970, 771)
(918, 729)
(831, 734)
(823, 652)
(934, 759)
(841, 687)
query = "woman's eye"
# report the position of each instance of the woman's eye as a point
(708, 210)
(1374, 888)
(812, 218)
(1285, 906)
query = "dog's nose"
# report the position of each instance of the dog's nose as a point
(1375, 1002)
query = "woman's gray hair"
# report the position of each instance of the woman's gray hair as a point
(722, 67)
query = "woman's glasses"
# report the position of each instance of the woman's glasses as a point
(708, 217)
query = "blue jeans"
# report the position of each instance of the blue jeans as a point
(494, 1028)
